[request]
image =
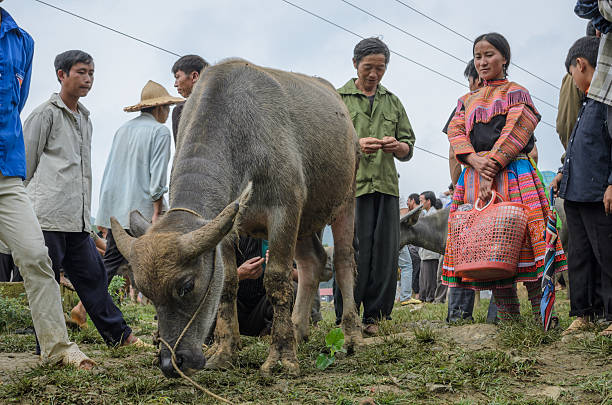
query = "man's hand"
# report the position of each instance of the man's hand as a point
(607, 200)
(251, 269)
(555, 183)
(485, 166)
(392, 145)
(370, 145)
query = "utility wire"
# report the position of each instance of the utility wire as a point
(393, 52)
(471, 40)
(108, 28)
(427, 43)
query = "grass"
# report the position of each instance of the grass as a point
(415, 360)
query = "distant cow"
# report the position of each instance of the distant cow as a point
(291, 137)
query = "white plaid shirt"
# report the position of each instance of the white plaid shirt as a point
(601, 85)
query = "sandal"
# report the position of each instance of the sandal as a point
(577, 325)
(78, 359)
(607, 332)
(371, 329)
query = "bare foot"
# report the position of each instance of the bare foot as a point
(79, 315)
(134, 341)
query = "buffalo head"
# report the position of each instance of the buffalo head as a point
(175, 264)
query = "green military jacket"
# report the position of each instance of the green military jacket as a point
(386, 117)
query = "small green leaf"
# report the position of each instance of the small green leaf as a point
(334, 337)
(323, 361)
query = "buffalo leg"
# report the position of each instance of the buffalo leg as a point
(343, 228)
(282, 234)
(310, 257)
(227, 334)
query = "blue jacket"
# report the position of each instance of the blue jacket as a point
(587, 170)
(16, 52)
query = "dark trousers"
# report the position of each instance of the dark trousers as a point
(589, 259)
(8, 270)
(113, 258)
(377, 225)
(460, 304)
(416, 269)
(254, 319)
(76, 254)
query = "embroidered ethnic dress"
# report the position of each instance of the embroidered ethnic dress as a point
(479, 120)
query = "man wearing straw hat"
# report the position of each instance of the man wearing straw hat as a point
(135, 177)
(57, 137)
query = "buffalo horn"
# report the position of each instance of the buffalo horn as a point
(124, 241)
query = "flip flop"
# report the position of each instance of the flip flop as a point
(577, 325)
(606, 332)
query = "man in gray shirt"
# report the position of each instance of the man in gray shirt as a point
(57, 137)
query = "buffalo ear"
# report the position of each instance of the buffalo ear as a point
(412, 217)
(138, 224)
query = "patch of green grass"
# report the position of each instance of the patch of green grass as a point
(17, 343)
(13, 315)
(526, 334)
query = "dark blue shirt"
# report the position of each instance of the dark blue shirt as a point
(16, 52)
(587, 170)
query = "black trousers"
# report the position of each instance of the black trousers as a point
(113, 258)
(76, 254)
(377, 226)
(253, 319)
(589, 259)
(416, 270)
(8, 270)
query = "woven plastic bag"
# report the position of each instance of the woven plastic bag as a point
(486, 241)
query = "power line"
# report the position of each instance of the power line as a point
(471, 40)
(393, 52)
(108, 28)
(427, 43)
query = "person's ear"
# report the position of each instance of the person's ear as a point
(354, 63)
(61, 75)
(195, 75)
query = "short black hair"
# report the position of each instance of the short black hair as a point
(438, 205)
(414, 197)
(470, 71)
(431, 196)
(148, 110)
(585, 47)
(189, 63)
(66, 60)
(590, 29)
(370, 46)
(499, 42)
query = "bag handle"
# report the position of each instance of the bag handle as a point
(494, 196)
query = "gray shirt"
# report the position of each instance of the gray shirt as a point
(58, 162)
(136, 170)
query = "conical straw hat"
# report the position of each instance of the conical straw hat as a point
(153, 94)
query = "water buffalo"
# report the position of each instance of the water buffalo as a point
(291, 137)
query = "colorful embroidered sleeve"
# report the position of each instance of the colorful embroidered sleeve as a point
(521, 121)
(457, 135)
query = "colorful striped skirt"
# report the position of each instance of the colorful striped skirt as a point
(518, 182)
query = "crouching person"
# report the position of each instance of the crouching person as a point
(58, 152)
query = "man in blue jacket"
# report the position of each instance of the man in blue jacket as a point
(19, 228)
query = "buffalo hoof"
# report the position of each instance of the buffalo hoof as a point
(221, 360)
(288, 365)
(353, 340)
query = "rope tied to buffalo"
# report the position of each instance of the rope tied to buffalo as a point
(193, 317)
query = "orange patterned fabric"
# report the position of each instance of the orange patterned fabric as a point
(499, 97)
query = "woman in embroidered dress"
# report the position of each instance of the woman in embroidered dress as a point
(491, 133)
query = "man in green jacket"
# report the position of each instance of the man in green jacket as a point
(384, 134)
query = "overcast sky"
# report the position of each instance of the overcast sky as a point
(275, 34)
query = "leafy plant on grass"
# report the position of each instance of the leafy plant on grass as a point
(115, 289)
(334, 342)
